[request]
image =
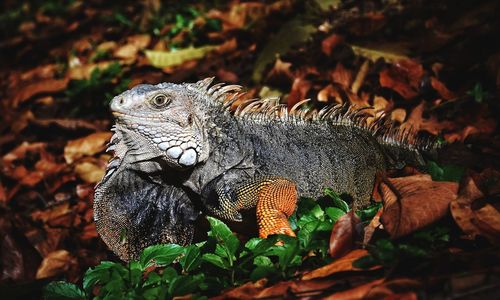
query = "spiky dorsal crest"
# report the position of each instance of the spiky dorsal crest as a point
(269, 109)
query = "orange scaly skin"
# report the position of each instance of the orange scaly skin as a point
(277, 200)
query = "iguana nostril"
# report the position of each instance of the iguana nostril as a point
(121, 101)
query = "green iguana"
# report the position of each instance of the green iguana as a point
(180, 144)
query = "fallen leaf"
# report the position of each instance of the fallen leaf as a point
(293, 32)
(360, 77)
(55, 263)
(328, 44)
(390, 53)
(341, 75)
(400, 288)
(372, 226)
(89, 145)
(342, 264)
(280, 74)
(443, 91)
(343, 235)
(482, 221)
(422, 202)
(46, 86)
(163, 59)
(54, 214)
(417, 122)
(398, 115)
(90, 172)
(394, 80)
(283, 289)
(357, 292)
(300, 88)
(80, 72)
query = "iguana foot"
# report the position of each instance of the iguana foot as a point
(277, 199)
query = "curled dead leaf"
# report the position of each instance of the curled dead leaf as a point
(90, 172)
(421, 202)
(56, 262)
(342, 264)
(483, 220)
(89, 145)
(343, 235)
(41, 87)
(443, 91)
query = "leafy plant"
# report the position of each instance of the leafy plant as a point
(166, 271)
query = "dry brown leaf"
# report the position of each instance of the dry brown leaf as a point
(370, 228)
(55, 263)
(90, 172)
(89, 145)
(484, 220)
(417, 122)
(280, 73)
(327, 93)
(443, 91)
(40, 87)
(341, 75)
(328, 44)
(482, 126)
(400, 288)
(79, 72)
(355, 293)
(360, 76)
(52, 213)
(284, 289)
(342, 264)
(343, 235)
(299, 90)
(398, 115)
(390, 78)
(422, 202)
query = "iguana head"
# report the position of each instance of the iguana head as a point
(166, 119)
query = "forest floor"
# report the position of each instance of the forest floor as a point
(433, 66)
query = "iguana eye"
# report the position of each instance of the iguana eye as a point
(160, 100)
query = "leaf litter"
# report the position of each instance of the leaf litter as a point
(67, 60)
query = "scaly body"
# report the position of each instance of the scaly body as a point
(184, 139)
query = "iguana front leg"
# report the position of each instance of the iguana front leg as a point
(274, 197)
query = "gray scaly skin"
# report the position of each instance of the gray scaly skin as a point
(134, 209)
(183, 139)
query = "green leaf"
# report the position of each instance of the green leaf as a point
(216, 261)
(445, 172)
(262, 261)
(169, 274)
(152, 279)
(103, 273)
(163, 59)
(334, 213)
(337, 201)
(191, 259)
(135, 273)
(291, 33)
(161, 255)
(261, 272)
(183, 285)
(368, 213)
(225, 236)
(59, 290)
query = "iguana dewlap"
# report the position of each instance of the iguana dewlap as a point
(183, 140)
